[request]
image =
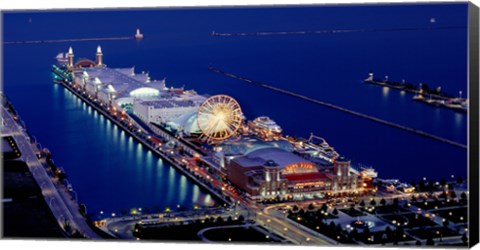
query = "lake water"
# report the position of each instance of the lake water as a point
(111, 172)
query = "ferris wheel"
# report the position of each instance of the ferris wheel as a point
(219, 117)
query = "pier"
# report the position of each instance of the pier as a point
(135, 130)
(335, 107)
(331, 31)
(72, 40)
(437, 99)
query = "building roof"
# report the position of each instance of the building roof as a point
(122, 80)
(168, 103)
(246, 145)
(281, 157)
(249, 162)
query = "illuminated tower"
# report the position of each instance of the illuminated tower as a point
(343, 180)
(70, 58)
(99, 58)
(138, 35)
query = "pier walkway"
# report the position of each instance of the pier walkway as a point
(63, 207)
(335, 107)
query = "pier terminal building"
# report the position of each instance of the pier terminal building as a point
(258, 160)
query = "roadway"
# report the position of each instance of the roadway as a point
(271, 217)
(60, 203)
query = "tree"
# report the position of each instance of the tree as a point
(430, 241)
(430, 185)
(229, 219)
(446, 223)
(373, 203)
(426, 88)
(418, 243)
(383, 202)
(443, 182)
(443, 195)
(413, 199)
(219, 220)
(354, 234)
(389, 232)
(459, 179)
(241, 218)
(464, 238)
(421, 185)
(399, 232)
(301, 212)
(295, 209)
(384, 238)
(463, 196)
(338, 229)
(362, 203)
(395, 202)
(331, 226)
(324, 207)
(335, 212)
(66, 225)
(453, 195)
(311, 207)
(366, 232)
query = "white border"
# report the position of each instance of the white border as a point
(9, 5)
(88, 4)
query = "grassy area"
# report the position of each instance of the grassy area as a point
(387, 209)
(456, 215)
(172, 232)
(434, 232)
(238, 234)
(413, 220)
(383, 238)
(315, 221)
(427, 205)
(26, 214)
(353, 212)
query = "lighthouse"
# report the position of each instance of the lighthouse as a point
(99, 57)
(138, 35)
(70, 58)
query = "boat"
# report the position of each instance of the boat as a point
(369, 172)
(264, 123)
(61, 58)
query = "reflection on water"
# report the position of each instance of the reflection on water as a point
(124, 173)
(385, 91)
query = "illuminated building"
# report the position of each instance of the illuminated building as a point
(274, 173)
(161, 111)
(99, 57)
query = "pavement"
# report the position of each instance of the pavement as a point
(59, 202)
(272, 218)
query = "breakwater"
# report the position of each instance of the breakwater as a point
(332, 31)
(335, 107)
(71, 40)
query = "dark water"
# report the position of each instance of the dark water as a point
(111, 172)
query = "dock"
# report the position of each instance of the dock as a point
(439, 99)
(134, 130)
